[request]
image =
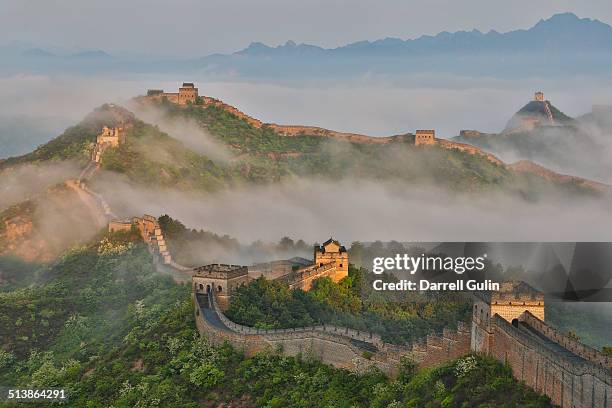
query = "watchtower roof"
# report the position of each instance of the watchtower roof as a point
(330, 241)
(188, 85)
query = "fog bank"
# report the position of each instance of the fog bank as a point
(367, 211)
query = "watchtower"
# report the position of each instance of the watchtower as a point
(222, 279)
(511, 300)
(188, 93)
(425, 137)
(110, 136)
(332, 252)
(539, 96)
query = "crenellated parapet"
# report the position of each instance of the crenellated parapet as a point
(572, 345)
(150, 232)
(340, 346)
(544, 364)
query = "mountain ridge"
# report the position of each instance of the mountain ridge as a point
(555, 25)
(563, 37)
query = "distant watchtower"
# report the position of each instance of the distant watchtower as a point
(188, 93)
(539, 96)
(112, 137)
(332, 252)
(425, 137)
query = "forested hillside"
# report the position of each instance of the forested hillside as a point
(103, 326)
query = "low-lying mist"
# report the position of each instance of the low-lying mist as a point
(349, 210)
(372, 104)
(24, 181)
(187, 131)
(583, 149)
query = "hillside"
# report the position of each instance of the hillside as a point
(109, 330)
(76, 142)
(254, 155)
(42, 227)
(262, 154)
(555, 141)
(272, 153)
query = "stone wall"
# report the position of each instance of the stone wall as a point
(303, 278)
(338, 346)
(582, 350)
(329, 344)
(568, 380)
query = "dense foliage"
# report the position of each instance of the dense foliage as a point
(398, 318)
(102, 324)
(77, 308)
(168, 364)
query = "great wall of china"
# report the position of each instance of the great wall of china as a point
(508, 326)
(188, 95)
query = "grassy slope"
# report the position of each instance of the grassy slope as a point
(76, 142)
(151, 157)
(267, 156)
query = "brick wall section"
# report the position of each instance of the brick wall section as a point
(582, 350)
(568, 381)
(337, 346)
(303, 278)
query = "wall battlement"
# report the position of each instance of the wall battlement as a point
(509, 326)
(569, 380)
(574, 346)
(339, 346)
(187, 94)
(150, 232)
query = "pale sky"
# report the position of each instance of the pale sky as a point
(201, 27)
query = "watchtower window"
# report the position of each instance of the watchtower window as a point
(201, 287)
(341, 265)
(219, 288)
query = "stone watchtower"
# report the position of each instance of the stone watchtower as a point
(222, 279)
(332, 252)
(512, 299)
(539, 96)
(187, 93)
(425, 137)
(112, 137)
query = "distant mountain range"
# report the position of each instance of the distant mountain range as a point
(550, 47)
(560, 33)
